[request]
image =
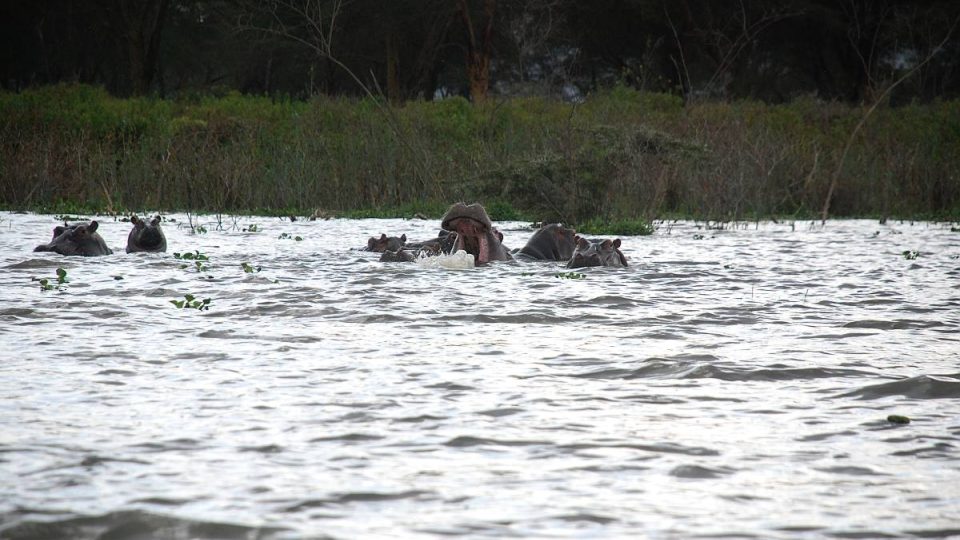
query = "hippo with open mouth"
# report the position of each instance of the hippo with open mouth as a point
(597, 253)
(80, 239)
(552, 242)
(146, 236)
(475, 233)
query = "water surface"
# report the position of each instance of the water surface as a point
(730, 383)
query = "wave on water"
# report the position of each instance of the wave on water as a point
(662, 369)
(134, 524)
(920, 387)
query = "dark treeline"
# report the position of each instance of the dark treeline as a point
(774, 50)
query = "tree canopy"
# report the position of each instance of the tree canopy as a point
(773, 50)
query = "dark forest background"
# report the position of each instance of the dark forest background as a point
(774, 51)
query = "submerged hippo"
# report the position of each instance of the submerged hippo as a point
(386, 243)
(444, 244)
(80, 239)
(475, 233)
(552, 242)
(146, 236)
(597, 253)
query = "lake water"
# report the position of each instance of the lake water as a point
(730, 383)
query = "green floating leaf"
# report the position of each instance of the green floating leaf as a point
(898, 419)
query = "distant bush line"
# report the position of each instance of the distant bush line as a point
(619, 156)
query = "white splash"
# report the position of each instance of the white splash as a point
(460, 260)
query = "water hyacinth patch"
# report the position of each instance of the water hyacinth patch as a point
(190, 302)
(49, 285)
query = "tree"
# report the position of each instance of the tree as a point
(479, 46)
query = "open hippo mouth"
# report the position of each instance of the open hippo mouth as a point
(474, 230)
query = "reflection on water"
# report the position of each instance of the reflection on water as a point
(729, 383)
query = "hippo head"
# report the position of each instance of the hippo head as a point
(386, 243)
(597, 253)
(552, 242)
(475, 233)
(81, 239)
(146, 236)
(444, 244)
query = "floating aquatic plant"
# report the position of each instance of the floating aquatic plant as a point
(288, 236)
(911, 255)
(570, 275)
(190, 302)
(249, 269)
(196, 255)
(898, 419)
(49, 284)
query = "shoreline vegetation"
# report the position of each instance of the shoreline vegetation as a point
(613, 163)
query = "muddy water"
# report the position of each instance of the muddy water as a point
(730, 383)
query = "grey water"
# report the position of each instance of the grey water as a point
(730, 383)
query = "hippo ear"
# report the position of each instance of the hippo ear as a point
(155, 221)
(403, 237)
(582, 242)
(92, 227)
(616, 243)
(607, 244)
(58, 230)
(134, 219)
(383, 237)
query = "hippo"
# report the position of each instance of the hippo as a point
(445, 243)
(475, 233)
(386, 243)
(79, 239)
(146, 236)
(596, 253)
(552, 242)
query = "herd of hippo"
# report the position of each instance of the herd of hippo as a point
(468, 227)
(463, 227)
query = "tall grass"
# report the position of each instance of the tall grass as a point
(619, 155)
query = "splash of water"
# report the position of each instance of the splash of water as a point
(461, 260)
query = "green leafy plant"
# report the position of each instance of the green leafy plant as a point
(288, 236)
(254, 228)
(195, 256)
(249, 269)
(190, 302)
(50, 284)
(570, 275)
(911, 255)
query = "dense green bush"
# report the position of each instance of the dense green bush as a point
(619, 156)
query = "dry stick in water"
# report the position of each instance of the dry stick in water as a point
(835, 177)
